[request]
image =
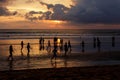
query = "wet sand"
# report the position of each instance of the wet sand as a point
(108, 72)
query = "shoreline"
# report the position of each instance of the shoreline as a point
(107, 72)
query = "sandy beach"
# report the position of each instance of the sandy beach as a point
(75, 73)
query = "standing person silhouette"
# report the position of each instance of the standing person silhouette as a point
(43, 40)
(83, 46)
(94, 42)
(55, 42)
(10, 53)
(113, 41)
(28, 49)
(49, 47)
(54, 53)
(61, 44)
(40, 43)
(22, 45)
(98, 44)
(69, 46)
(65, 48)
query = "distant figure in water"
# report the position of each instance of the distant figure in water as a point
(69, 46)
(22, 45)
(54, 53)
(10, 53)
(43, 40)
(113, 41)
(98, 44)
(49, 47)
(65, 48)
(83, 46)
(40, 43)
(94, 42)
(55, 42)
(22, 48)
(28, 49)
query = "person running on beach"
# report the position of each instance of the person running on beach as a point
(28, 49)
(65, 48)
(10, 53)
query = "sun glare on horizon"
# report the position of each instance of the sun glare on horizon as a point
(57, 21)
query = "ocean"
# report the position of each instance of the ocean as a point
(42, 58)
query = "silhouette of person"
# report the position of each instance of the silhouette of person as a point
(28, 49)
(98, 44)
(10, 53)
(94, 42)
(54, 53)
(83, 46)
(65, 48)
(69, 46)
(40, 43)
(55, 42)
(61, 44)
(22, 45)
(113, 41)
(43, 40)
(49, 46)
(22, 48)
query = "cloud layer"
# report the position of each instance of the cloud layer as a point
(3, 10)
(84, 11)
(95, 11)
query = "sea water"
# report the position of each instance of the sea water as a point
(42, 59)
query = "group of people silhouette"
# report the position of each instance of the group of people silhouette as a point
(96, 43)
(66, 46)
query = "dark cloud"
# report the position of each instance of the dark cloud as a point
(83, 11)
(58, 12)
(45, 16)
(55, 12)
(5, 2)
(95, 11)
(5, 12)
(48, 5)
(30, 15)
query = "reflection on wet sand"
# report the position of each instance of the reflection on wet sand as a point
(10, 64)
(61, 62)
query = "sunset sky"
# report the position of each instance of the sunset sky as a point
(59, 14)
